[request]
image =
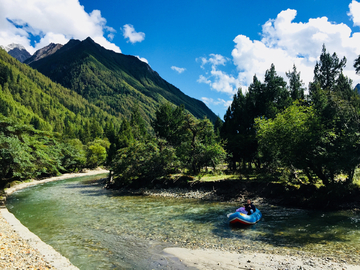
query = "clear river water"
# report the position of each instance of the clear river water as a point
(98, 229)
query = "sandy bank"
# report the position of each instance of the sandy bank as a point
(214, 259)
(8, 191)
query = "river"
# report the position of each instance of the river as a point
(98, 229)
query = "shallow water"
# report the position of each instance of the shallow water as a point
(97, 229)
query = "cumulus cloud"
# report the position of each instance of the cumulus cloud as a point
(178, 69)
(354, 12)
(214, 60)
(284, 43)
(143, 59)
(219, 101)
(55, 21)
(217, 79)
(130, 33)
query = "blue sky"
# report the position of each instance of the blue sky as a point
(206, 48)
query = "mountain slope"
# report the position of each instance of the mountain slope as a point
(46, 51)
(29, 97)
(17, 51)
(114, 82)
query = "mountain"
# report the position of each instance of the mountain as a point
(28, 97)
(44, 52)
(17, 51)
(113, 81)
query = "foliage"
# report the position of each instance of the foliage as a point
(169, 123)
(142, 161)
(181, 142)
(296, 88)
(96, 152)
(322, 139)
(114, 82)
(328, 69)
(290, 139)
(357, 65)
(199, 148)
(195, 141)
(262, 100)
(31, 98)
(73, 155)
(29, 153)
(25, 152)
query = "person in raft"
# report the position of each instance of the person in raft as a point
(249, 207)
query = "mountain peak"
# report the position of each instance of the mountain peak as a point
(114, 81)
(13, 46)
(46, 51)
(17, 51)
(89, 39)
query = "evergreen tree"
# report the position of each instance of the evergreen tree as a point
(169, 123)
(295, 84)
(323, 140)
(137, 124)
(328, 69)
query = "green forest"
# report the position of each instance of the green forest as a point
(114, 82)
(277, 131)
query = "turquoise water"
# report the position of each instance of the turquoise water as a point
(97, 229)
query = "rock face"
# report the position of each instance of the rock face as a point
(46, 51)
(20, 53)
(17, 51)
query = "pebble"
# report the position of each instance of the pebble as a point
(16, 253)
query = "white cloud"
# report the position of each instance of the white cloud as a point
(54, 21)
(354, 12)
(284, 43)
(178, 69)
(214, 60)
(217, 79)
(133, 36)
(219, 101)
(143, 59)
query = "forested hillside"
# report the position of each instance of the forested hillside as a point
(46, 129)
(31, 98)
(114, 82)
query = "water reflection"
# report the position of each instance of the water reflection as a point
(98, 229)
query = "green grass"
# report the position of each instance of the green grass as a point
(213, 178)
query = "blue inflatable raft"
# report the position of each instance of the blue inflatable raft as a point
(241, 218)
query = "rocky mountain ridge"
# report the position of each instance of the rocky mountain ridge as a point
(17, 51)
(44, 52)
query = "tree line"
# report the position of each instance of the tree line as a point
(276, 128)
(304, 138)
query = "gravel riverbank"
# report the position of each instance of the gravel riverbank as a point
(20, 248)
(17, 251)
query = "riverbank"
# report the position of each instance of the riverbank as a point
(214, 259)
(256, 256)
(243, 257)
(20, 248)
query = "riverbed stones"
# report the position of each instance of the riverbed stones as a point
(16, 253)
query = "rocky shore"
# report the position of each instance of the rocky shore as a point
(20, 248)
(18, 251)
